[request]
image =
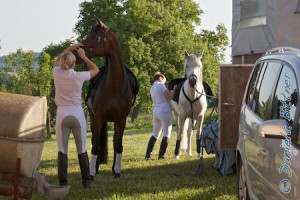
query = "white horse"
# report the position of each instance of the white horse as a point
(191, 106)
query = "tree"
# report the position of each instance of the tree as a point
(23, 79)
(154, 35)
(214, 47)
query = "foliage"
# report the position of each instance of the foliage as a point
(215, 46)
(30, 75)
(153, 36)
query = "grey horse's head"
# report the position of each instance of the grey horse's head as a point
(193, 68)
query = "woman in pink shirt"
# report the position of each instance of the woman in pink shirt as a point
(70, 116)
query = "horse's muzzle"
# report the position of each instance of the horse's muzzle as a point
(192, 80)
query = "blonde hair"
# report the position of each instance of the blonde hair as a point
(68, 60)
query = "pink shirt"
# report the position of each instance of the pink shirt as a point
(68, 86)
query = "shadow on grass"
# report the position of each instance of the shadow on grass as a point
(143, 179)
(155, 178)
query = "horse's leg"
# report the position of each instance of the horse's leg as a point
(181, 122)
(189, 138)
(198, 133)
(93, 158)
(96, 128)
(118, 148)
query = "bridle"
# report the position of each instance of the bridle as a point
(194, 100)
(191, 103)
(100, 38)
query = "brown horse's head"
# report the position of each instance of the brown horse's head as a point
(99, 42)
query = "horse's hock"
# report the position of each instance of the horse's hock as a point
(23, 120)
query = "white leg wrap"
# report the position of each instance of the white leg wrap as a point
(117, 167)
(93, 165)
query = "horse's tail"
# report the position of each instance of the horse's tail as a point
(134, 85)
(102, 148)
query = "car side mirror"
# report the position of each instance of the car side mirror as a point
(275, 128)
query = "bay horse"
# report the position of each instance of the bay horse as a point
(113, 97)
(192, 103)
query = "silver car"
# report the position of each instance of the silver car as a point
(268, 149)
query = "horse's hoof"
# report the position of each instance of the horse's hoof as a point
(116, 175)
(92, 178)
(149, 158)
(198, 155)
(177, 157)
(189, 154)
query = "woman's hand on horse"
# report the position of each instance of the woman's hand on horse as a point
(74, 47)
(81, 52)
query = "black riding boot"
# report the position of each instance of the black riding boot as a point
(85, 169)
(150, 147)
(163, 147)
(62, 163)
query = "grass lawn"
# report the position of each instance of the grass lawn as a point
(141, 179)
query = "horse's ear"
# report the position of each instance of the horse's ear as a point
(186, 54)
(199, 55)
(100, 23)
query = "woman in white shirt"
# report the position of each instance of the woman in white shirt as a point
(70, 116)
(162, 115)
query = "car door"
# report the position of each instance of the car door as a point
(280, 169)
(254, 112)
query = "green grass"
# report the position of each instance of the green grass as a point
(141, 179)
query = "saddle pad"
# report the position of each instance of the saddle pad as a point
(94, 83)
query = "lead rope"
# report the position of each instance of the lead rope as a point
(214, 97)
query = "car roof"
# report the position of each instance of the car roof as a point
(293, 59)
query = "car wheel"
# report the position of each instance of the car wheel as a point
(242, 183)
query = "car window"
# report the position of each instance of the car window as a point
(265, 89)
(257, 86)
(286, 96)
(252, 84)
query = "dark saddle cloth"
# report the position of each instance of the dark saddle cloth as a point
(94, 83)
(179, 82)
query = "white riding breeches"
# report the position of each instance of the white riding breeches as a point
(162, 121)
(71, 118)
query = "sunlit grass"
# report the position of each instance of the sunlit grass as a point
(140, 179)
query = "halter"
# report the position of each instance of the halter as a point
(191, 103)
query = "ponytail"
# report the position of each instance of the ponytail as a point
(68, 61)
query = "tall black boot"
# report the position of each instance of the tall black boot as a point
(163, 147)
(150, 147)
(62, 167)
(85, 169)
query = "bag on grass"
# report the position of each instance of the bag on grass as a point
(224, 159)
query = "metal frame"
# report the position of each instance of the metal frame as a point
(284, 50)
